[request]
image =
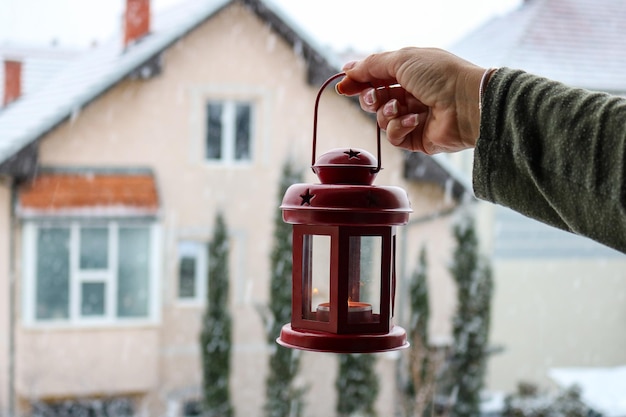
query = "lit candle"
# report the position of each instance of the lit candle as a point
(358, 312)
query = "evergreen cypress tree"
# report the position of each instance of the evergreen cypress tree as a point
(282, 398)
(423, 362)
(215, 337)
(471, 322)
(356, 385)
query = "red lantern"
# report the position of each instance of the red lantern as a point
(344, 249)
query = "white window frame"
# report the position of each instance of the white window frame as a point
(228, 121)
(77, 276)
(106, 276)
(199, 251)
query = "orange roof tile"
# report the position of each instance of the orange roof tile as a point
(70, 191)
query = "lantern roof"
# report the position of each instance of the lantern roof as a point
(346, 166)
(346, 195)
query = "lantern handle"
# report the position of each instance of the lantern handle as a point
(317, 102)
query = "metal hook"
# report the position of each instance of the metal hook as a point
(317, 101)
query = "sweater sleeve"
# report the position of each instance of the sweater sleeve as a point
(554, 153)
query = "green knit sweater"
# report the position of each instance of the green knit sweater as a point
(554, 153)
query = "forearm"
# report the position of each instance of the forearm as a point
(555, 154)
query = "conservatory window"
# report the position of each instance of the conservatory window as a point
(192, 271)
(90, 241)
(84, 272)
(228, 131)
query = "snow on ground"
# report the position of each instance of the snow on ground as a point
(603, 389)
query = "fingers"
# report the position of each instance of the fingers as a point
(349, 87)
(373, 71)
(397, 112)
(376, 70)
(397, 124)
(389, 111)
(391, 104)
(371, 99)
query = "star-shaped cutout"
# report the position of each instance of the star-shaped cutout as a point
(307, 197)
(352, 154)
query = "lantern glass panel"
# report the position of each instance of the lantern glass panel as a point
(364, 276)
(315, 275)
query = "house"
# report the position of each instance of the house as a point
(111, 175)
(559, 298)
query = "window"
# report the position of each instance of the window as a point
(77, 272)
(192, 271)
(228, 131)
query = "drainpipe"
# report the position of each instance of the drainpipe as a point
(12, 296)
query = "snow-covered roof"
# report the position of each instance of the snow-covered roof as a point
(86, 77)
(603, 389)
(578, 42)
(38, 64)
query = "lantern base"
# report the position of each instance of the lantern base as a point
(342, 343)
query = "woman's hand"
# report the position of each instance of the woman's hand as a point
(425, 99)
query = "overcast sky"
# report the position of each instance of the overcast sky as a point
(364, 25)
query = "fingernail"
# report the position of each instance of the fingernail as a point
(349, 65)
(410, 120)
(338, 88)
(391, 108)
(370, 97)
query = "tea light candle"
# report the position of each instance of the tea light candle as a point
(358, 312)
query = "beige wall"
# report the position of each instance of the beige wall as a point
(5, 219)
(158, 123)
(557, 314)
(86, 362)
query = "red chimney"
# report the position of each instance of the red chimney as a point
(136, 20)
(12, 81)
